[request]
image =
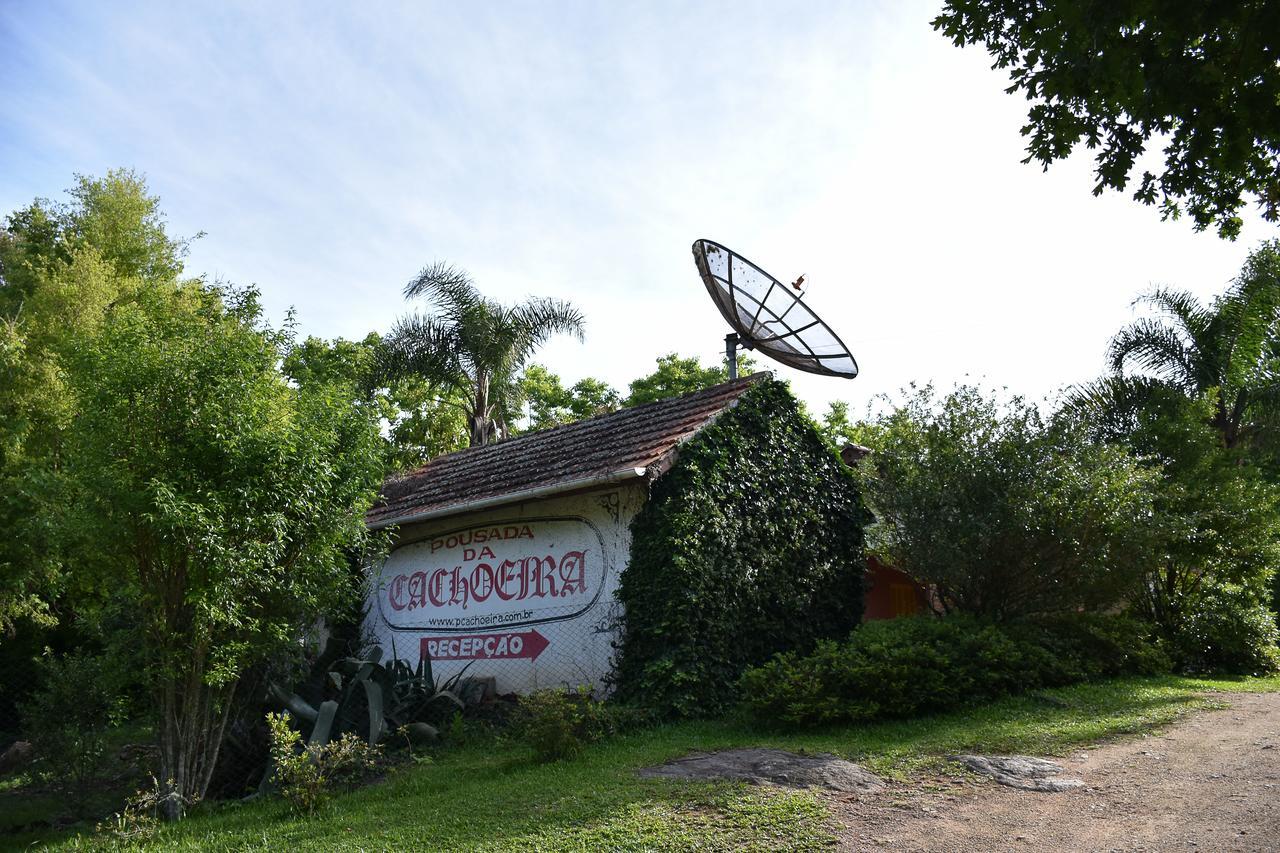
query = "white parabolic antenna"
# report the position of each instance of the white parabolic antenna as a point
(768, 315)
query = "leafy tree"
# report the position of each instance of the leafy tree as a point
(1217, 519)
(340, 361)
(1226, 353)
(551, 404)
(1005, 514)
(149, 442)
(676, 375)
(1201, 408)
(473, 345)
(422, 420)
(63, 268)
(1215, 528)
(591, 396)
(30, 239)
(1200, 77)
(113, 215)
(215, 498)
(837, 428)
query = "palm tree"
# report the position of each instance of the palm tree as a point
(1227, 351)
(473, 345)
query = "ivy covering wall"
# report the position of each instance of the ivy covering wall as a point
(750, 545)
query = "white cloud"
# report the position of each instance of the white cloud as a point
(577, 150)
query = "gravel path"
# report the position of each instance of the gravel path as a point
(1209, 783)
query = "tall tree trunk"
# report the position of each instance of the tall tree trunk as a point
(192, 713)
(478, 418)
(193, 720)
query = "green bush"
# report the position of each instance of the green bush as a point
(1088, 646)
(1003, 513)
(69, 718)
(1275, 595)
(1229, 632)
(751, 544)
(560, 723)
(306, 775)
(902, 667)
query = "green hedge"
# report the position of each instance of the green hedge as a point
(1229, 632)
(750, 545)
(901, 667)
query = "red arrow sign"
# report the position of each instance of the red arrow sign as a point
(523, 645)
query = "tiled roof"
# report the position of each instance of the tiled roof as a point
(561, 458)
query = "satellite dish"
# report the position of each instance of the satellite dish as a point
(768, 315)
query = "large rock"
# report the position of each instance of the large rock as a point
(419, 734)
(770, 766)
(1019, 771)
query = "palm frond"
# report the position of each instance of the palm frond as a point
(450, 290)
(1112, 405)
(422, 346)
(1250, 310)
(1180, 305)
(1153, 346)
(1261, 421)
(536, 320)
(550, 316)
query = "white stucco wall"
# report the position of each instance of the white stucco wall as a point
(524, 593)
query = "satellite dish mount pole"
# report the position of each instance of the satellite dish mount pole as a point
(731, 353)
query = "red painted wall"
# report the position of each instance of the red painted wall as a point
(891, 593)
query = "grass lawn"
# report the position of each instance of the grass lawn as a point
(492, 797)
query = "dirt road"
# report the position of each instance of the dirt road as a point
(1209, 783)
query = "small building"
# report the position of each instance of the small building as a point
(507, 559)
(890, 592)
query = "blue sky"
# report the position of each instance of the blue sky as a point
(329, 151)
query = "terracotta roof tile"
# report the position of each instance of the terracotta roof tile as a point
(638, 437)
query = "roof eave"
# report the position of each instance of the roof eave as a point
(512, 497)
(664, 463)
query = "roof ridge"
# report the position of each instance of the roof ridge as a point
(553, 459)
(524, 437)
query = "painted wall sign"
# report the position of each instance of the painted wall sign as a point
(496, 575)
(521, 645)
(524, 594)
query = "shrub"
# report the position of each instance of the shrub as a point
(306, 775)
(1087, 646)
(902, 667)
(137, 823)
(68, 719)
(1275, 595)
(560, 723)
(1229, 632)
(1006, 515)
(751, 544)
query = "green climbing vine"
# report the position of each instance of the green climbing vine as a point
(750, 545)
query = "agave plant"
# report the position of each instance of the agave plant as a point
(372, 698)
